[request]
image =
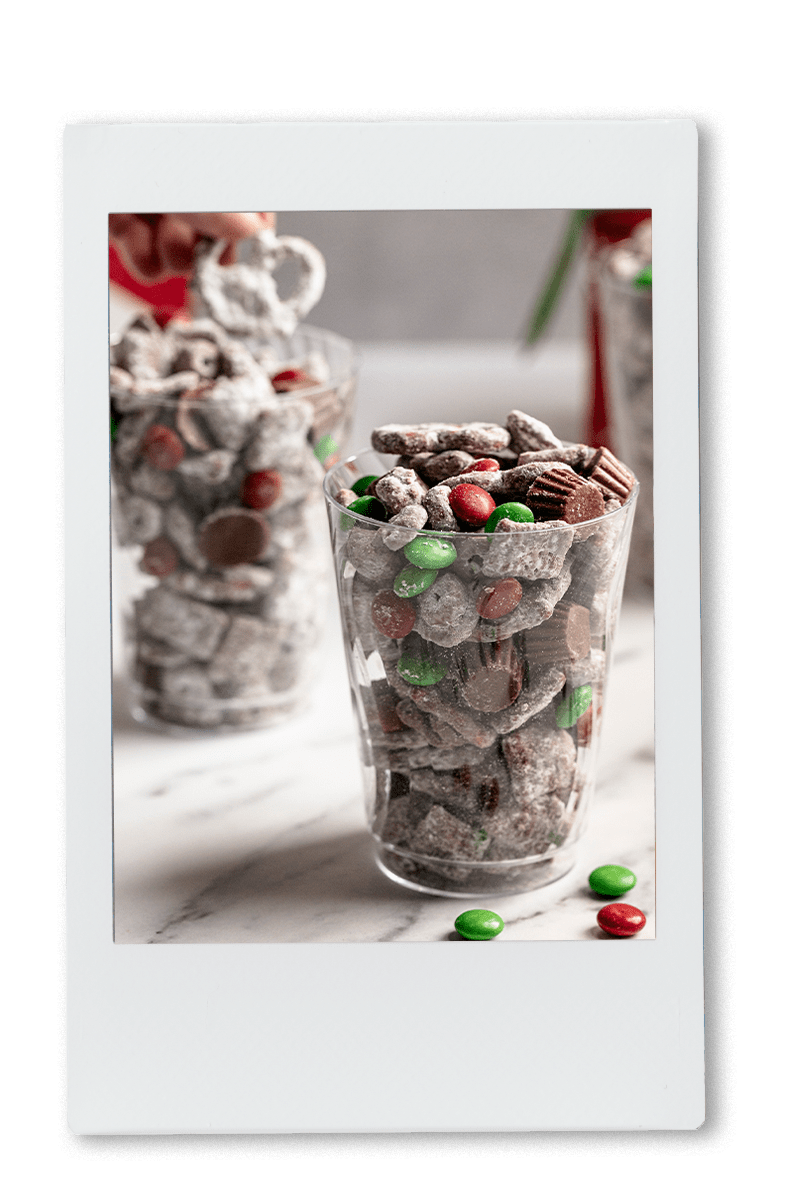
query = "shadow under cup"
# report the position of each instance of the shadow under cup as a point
(479, 693)
(224, 601)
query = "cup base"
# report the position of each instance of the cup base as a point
(245, 723)
(464, 881)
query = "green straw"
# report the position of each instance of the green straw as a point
(553, 288)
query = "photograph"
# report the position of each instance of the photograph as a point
(382, 575)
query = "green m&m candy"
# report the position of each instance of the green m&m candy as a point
(420, 672)
(513, 511)
(412, 581)
(365, 506)
(361, 485)
(479, 925)
(643, 281)
(431, 553)
(574, 706)
(611, 880)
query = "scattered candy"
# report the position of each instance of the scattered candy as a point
(621, 920)
(612, 880)
(479, 925)
(511, 511)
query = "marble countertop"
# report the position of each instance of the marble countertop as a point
(260, 837)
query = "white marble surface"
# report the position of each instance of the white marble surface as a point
(260, 837)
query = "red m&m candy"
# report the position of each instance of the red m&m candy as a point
(482, 464)
(159, 558)
(471, 504)
(392, 615)
(261, 489)
(162, 447)
(621, 920)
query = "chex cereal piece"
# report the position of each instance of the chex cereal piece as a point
(406, 524)
(187, 684)
(247, 650)
(439, 512)
(575, 455)
(181, 531)
(540, 762)
(137, 519)
(442, 835)
(527, 433)
(280, 427)
(445, 758)
(149, 481)
(399, 489)
(446, 613)
(231, 407)
(131, 431)
(544, 684)
(477, 438)
(185, 624)
(436, 467)
(372, 559)
(587, 670)
(212, 468)
(538, 551)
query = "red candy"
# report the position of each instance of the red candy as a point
(261, 489)
(162, 447)
(471, 504)
(621, 920)
(291, 380)
(159, 558)
(392, 615)
(499, 599)
(482, 464)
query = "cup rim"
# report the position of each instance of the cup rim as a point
(372, 523)
(336, 378)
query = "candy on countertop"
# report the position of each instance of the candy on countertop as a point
(612, 880)
(479, 925)
(621, 920)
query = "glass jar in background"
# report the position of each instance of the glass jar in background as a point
(217, 462)
(478, 688)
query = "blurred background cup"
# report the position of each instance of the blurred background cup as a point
(221, 570)
(479, 728)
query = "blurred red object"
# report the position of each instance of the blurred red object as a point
(167, 299)
(604, 229)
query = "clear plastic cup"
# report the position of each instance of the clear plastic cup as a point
(479, 700)
(219, 500)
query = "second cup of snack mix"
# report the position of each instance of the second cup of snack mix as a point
(480, 574)
(222, 428)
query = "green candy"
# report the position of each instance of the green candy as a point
(574, 706)
(612, 880)
(113, 429)
(479, 925)
(430, 552)
(412, 581)
(365, 506)
(644, 280)
(361, 485)
(420, 672)
(513, 511)
(325, 448)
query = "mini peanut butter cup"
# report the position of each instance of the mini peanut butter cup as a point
(233, 536)
(564, 638)
(610, 474)
(563, 496)
(493, 676)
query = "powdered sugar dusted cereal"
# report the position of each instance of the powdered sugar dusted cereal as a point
(491, 623)
(220, 441)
